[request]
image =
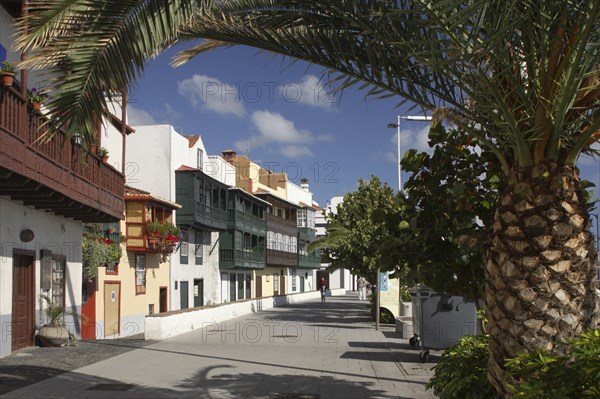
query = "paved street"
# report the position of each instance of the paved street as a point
(308, 350)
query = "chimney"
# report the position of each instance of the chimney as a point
(304, 183)
(229, 156)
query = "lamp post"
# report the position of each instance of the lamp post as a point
(397, 126)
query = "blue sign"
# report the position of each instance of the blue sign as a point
(383, 280)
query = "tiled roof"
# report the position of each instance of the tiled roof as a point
(193, 140)
(133, 193)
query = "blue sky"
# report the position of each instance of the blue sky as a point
(283, 116)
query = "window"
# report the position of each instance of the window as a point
(293, 279)
(201, 191)
(223, 200)
(248, 286)
(240, 286)
(199, 162)
(199, 241)
(184, 252)
(302, 218)
(247, 242)
(310, 219)
(276, 283)
(140, 274)
(215, 198)
(58, 279)
(112, 270)
(294, 245)
(151, 308)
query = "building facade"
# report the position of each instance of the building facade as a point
(48, 189)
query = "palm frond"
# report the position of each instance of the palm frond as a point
(92, 49)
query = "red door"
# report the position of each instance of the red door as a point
(23, 301)
(88, 309)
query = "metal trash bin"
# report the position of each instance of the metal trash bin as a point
(439, 320)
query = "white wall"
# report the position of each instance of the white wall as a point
(163, 326)
(297, 194)
(57, 234)
(154, 152)
(221, 170)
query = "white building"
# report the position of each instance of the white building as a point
(153, 157)
(47, 191)
(340, 278)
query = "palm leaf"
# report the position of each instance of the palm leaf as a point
(92, 49)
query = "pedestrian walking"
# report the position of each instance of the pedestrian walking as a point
(362, 288)
(323, 292)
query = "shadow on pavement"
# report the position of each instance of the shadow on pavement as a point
(292, 386)
(15, 377)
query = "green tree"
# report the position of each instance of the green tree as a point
(520, 76)
(357, 229)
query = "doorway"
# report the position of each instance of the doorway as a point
(198, 292)
(184, 295)
(88, 309)
(22, 299)
(112, 308)
(162, 299)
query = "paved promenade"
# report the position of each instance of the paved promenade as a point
(304, 351)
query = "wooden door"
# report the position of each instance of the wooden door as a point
(198, 293)
(184, 295)
(22, 301)
(88, 309)
(162, 300)
(112, 301)
(259, 280)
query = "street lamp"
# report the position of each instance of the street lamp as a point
(397, 126)
(421, 118)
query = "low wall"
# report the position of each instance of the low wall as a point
(169, 324)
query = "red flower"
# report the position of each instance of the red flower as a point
(156, 234)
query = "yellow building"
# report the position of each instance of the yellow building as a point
(116, 302)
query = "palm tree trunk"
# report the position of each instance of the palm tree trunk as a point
(540, 268)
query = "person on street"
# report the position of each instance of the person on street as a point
(362, 289)
(323, 291)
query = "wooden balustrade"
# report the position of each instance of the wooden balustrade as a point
(27, 150)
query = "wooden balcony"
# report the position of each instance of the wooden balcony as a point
(56, 175)
(238, 259)
(283, 226)
(190, 193)
(277, 258)
(310, 261)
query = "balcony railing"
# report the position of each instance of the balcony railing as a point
(239, 258)
(26, 150)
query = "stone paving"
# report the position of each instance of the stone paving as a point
(310, 350)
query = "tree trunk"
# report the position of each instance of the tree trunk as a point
(540, 268)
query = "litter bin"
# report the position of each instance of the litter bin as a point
(439, 320)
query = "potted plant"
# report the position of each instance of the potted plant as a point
(103, 153)
(54, 332)
(153, 232)
(36, 98)
(7, 72)
(98, 251)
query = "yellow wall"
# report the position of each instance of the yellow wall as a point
(132, 306)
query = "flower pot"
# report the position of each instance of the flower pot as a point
(93, 149)
(7, 79)
(53, 335)
(36, 105)
(105, 159)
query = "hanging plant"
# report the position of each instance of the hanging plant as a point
(163, 236)
(98, 251)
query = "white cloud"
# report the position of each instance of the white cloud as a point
(310, 91)
(412, 139)
(280, 134)
(296, 151)
(212, 94)
(139, 117)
